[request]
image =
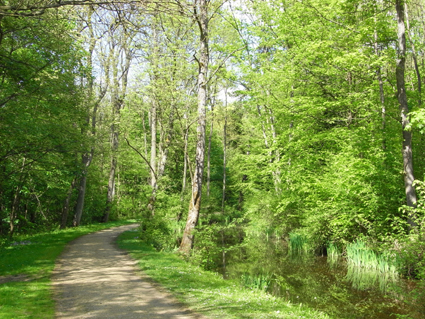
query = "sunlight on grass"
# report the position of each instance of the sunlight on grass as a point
(207, 292)
(35, 256)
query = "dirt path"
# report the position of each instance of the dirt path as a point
(94, 279)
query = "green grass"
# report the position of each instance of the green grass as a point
(35, 256)
(207, 292)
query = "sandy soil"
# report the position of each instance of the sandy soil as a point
(94, 279)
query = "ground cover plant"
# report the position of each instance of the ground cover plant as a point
(32, 259)
(207, 292)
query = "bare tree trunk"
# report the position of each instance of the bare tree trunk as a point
(145, 142)
(165, 145)
(154, 120)
(13, 212)
(201, 16)
(153, 181)
(81, 196)
(65, 209)
(116, 107)
(119, 94)
(87, 157)
(16, 200)
(111, 188)
(212, 99)
(404, 110)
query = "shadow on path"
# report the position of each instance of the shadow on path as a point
(94, 279)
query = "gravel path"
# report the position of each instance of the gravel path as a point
(94, 279)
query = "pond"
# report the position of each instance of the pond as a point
(327, 285)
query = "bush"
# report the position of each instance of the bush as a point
(156, 232)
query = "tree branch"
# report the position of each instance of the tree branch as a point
(147, 162)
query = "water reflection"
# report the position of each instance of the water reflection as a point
(363, 279)
(327, 285)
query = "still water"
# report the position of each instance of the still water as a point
(327, 285)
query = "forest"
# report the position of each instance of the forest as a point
(215, 122)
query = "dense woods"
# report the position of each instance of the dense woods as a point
(211, 121)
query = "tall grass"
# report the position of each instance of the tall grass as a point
(297, 243)
(333, 254)
(260, 282)
(332, 251)
(359, 255)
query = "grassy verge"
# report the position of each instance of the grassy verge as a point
(34, 257)
(207, 292)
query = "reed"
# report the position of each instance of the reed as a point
(260, 282)
(333, 254)
(359, 255)
(332, 251)
(297, 243)
(363, 279)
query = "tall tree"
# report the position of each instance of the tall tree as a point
(404, 110)
(121, 48)
(94, 101)
(43, 82)
(200, 14)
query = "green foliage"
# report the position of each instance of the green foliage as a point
(410, 247)
(42, 113)
(154, 231)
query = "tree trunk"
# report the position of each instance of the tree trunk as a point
(87, 157)
(209, 152)
(65, 209)
(80, 201)
(381, 92)
(276, 160)
(164, 145)
(415, 60)
(186, 133)
(195, 202)
(119, 93)
(212, 99)
(111, 185)
(153, 180)
(14, 210)
(16, 200)
(404, 110)
(223, 197)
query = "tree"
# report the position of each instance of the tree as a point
(41, 116)
(201, 16)
(404, 110)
